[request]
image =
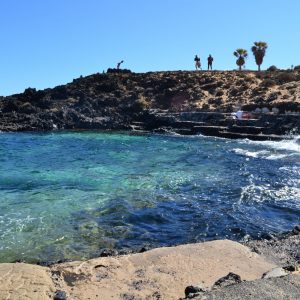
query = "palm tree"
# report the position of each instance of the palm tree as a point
(241, 54)
(259, 51)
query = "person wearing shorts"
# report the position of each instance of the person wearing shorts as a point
(197, 62)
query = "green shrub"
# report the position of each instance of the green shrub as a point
(272, 69)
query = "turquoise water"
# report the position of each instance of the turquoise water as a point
(69, 195)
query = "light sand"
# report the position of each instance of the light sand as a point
(23, 281)
(161, 273)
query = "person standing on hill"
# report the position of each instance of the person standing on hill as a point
(197, 62)
(119, 64)
(210, 60)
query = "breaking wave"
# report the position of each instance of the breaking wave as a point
(285, 149)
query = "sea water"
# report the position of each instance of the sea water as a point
(68, 195)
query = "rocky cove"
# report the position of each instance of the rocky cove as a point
(184, 102)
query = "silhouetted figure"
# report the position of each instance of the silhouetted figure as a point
(210, 60)
(197, 62)
(119, 64)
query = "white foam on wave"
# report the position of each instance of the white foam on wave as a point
(292, 145)
(250, 153)
(255, 192)
(260, 154)
(260, 193)
(273, 149)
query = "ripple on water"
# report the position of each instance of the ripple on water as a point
(68, 195)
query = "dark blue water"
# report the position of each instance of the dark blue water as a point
(69, 195)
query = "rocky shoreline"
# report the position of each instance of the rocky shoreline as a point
(258, 269)
(184, 102)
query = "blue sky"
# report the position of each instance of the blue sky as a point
(45, 43)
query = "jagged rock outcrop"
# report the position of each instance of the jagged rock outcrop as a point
(116, 99)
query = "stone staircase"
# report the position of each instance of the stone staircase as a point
(215, 124)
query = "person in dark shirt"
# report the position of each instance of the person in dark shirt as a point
(119, 64)
(197, 62)
(210, 60)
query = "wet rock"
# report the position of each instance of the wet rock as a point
(296, 230)
(229, 279)
(60, 295)
(72, 278)
(108, 252)
(144, 249)
(125, 251)
(267, 236)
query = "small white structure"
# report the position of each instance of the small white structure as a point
(241, 115)
(257, 110)
(265, 110)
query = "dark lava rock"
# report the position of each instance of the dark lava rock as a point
(60, 295)
(71, 278)
(123, 71)
(144, 249)
(290, 268)
(125, 251)
(267, 236)
(192, 291)
(18, 261)
(283, 250)
(108, 252)
(129, 297)
(229, 279)
(296, 230)
(278, 288)
(119, 98)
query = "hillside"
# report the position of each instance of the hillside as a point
(116, 99)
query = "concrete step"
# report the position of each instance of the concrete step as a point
(136, 127)
(209, 130)
(200, 116)
(137, 123)
(183, 131)
(243, 122)
(138, 132)
(187, 124)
